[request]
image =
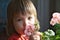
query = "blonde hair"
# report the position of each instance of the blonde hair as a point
(17, 6)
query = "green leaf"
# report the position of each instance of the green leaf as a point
(57, 37)
(58, 31)
(57, 26)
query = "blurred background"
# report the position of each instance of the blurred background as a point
(45, 8)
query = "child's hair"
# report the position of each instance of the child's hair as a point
(17, 6)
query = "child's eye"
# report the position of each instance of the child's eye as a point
(29, 18)
(19, 19)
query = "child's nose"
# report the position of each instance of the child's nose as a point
(25, 23)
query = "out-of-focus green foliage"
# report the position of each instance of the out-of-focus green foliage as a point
(51, 35)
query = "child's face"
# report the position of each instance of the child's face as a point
(21, 21)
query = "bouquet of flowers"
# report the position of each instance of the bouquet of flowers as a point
(55, 22)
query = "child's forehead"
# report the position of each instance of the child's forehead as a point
(22, 15)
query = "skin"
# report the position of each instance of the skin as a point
(21, 21)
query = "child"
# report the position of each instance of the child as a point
(22, 21)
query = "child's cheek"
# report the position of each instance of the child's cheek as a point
(32, 21)
(20, 24)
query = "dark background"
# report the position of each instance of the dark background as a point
(45, 8)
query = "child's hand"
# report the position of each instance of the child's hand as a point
(35, 36)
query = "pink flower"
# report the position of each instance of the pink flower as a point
(55, 19)
(56, 14)
(29, 30)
